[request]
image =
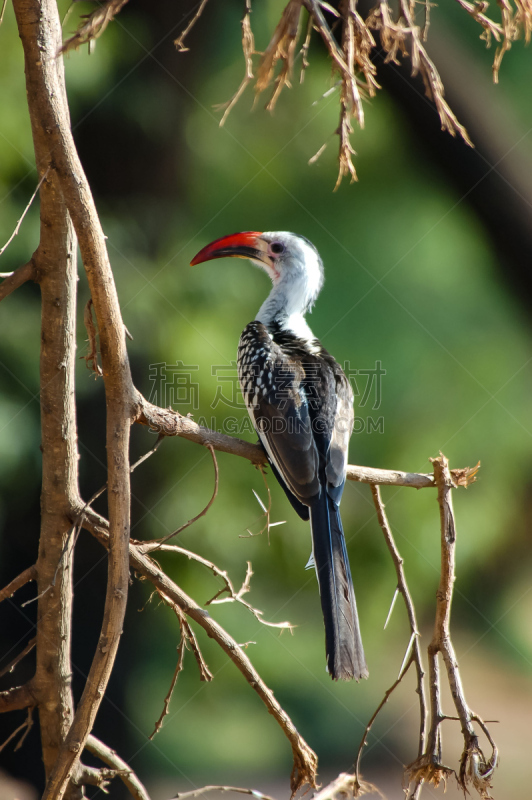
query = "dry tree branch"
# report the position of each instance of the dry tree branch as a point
(266, 511)
(40, 32)
(305, 762)
(26, 727)
(475, 769)
(122, 768)
(490, 27)
(351, 54)
(19, 223)
(237, 789)
(167, 422)
(179, 42)
(29, 574)
(234, 596)
(282, 47)
(17, 697)
(94, 25)
(159, 542)
(413, 652)
(12, 280)
(12, 664)
(187, 637)
(248, 48)
(178, 669)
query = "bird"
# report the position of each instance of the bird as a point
(301, 406)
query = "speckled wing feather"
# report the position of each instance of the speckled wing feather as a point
(271, 384)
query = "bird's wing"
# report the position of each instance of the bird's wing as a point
(275, 397)
(340, 435)
(282, 420)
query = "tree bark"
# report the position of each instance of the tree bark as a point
(40, 32)
(54, 267)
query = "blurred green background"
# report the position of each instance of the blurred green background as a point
(417, 278)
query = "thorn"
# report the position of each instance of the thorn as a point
(407, 654)
(259, 501)
(392, 604)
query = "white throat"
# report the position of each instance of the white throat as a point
(295, 288)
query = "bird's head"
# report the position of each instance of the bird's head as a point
(292, 262)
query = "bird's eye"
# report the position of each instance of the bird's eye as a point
(277, 248)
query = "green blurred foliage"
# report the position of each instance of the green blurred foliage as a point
(411, 281)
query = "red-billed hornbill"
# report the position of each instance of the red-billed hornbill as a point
(301, 405)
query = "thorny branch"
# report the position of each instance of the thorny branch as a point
(475, 769)
(167, 422)
(305, 761)
(233, 596)
(351, 59)
(413, 652)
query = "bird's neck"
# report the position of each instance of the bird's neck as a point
(286, 305)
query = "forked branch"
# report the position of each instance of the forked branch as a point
(117, 764)
(413, 651)
(305, 762)
(475, 769)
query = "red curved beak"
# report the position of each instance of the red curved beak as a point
(238, 245)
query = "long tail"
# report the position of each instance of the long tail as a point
(343, 643)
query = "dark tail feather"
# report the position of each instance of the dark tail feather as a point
(345, 654)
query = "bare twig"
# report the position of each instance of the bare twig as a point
(234, 596)
(17, 697)
(179, 42)
(413, 652)
(171, 423)
(282, 47)
(29, 574)
(305, 761)
(12, 664)
(199, 792)
(266, 510)
(475, 769)
(19, 223)
(123, 770)
(159, 542)
(248, 48)
(188, 637)
(26, 727)
(13, 280)
(178, 669)
(94, 25)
